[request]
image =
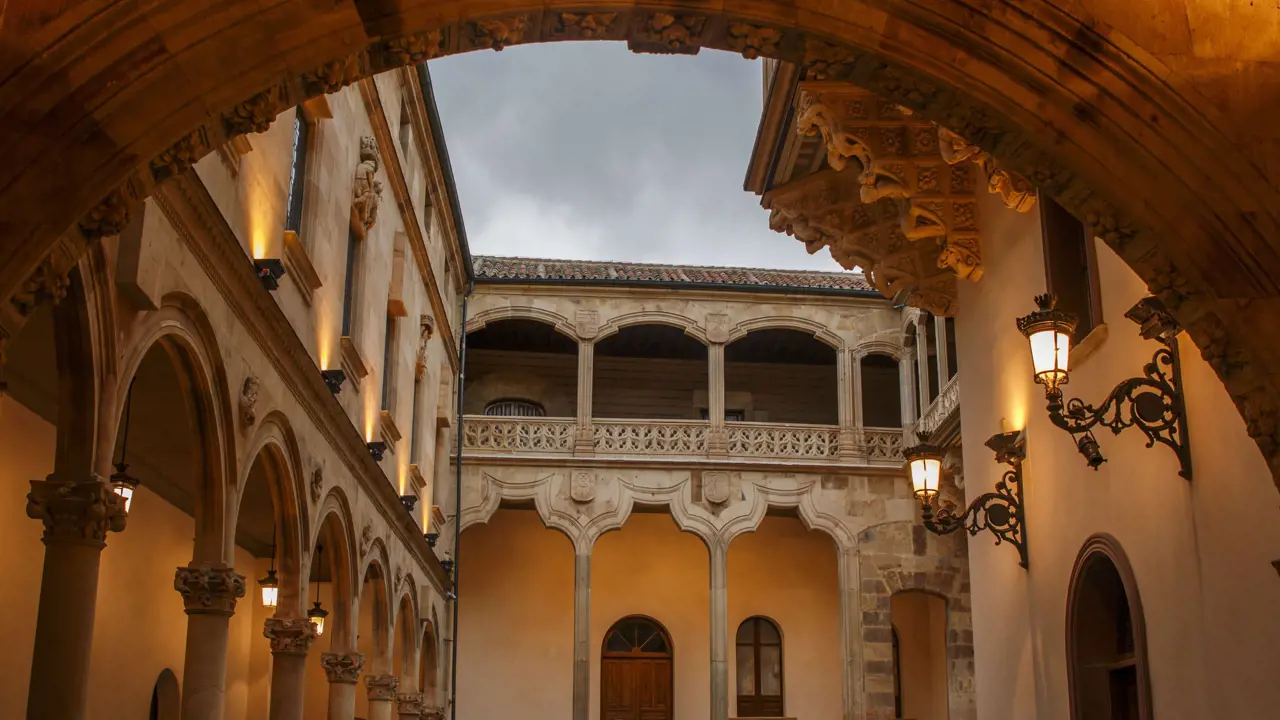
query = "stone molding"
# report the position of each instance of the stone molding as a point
(344, 668)
(209, 588)
(381, 687)
(290, 636)
(76, 513)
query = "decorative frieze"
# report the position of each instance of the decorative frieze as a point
(180, 155)
(289, 636)
(76, 513)
(381, 688)
(209, 588)
(255, 114)
(498, 33)
(337, 74)
(582, 26)
(753, 41)
(342, 668)
(665, 33)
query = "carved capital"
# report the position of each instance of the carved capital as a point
(289, 636)
(209, 589)
(76, 513)
(435, 713)
(410, 704)
(342, 667)
(381, 687)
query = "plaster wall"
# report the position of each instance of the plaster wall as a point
(790, 575)
(1200, 551)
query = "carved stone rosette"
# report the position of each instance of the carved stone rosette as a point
(342, 667)
(410, 705)
(289, 636)
(76, 513)
(381, 687)
(209, 589)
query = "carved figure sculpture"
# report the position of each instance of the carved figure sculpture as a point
(367, 189)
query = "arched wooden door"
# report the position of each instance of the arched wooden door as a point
(636, 671)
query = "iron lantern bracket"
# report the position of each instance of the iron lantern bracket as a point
(1153, 402)
(999, 512)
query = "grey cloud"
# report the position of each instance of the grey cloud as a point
(590, 151)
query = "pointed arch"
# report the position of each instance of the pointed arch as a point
(334, 523)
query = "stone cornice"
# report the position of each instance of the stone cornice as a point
(475, 459)
(195, 216)
(409, 217)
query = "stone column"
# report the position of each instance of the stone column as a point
(343, 672)
(905, 367)
(76, 517)
(940, 335)
(382, 694)
(584, 438)
(922, 367)
(441, 485)
(718, 437)
(582, 633)
(291, 639)
(851, 633)
(209, 591)
(410, 706)
(849, 405)
(719, 551)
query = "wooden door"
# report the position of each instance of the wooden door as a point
(636, 672)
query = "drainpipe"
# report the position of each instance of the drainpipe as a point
(457, 503)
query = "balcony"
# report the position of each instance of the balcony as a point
(943, 412)
(538, 437)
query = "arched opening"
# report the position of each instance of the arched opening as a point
(1106, 637)
(428, 666)
(881, 391)
(329, 590)
(404, 653)
(165, 697)
(919, 623)
(650, 371)
(518, 364)
(636, 670)
(374, 632)
(759, 677)
(781, 375)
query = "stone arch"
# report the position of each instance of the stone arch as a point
(782, 322)
(561, 323)
(878, 347)
(405, 632)
(334, 515)
(429, 661)
(375, 568)
(654, 317)
(274, 443)
(181, 329)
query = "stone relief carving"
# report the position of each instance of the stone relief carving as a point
(181, 155)
(715, 487)
(366, 537)
(587, 323)
(367, 189)
(1017, 192)
(248, 402)
(665, 33)
(342, 667)
(253, 115)
(416, 48)
(289, 636)
(382, 687)
(753, 40)
(582, 487)
(317, 483)
(585, 26)
(826, 61)
(209, 588)
(426, 328)
(47, 283)
(107, 218)
(496, 34)
(336, 74)
(717, 327)
(76, 513)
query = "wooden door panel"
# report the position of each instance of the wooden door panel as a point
(635, 689)
(617, 690)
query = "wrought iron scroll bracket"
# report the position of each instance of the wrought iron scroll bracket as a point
(999, 512)
(1153, 403)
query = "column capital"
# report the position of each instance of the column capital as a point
(410, 704)
(289, 636)
(209, 588)
(433, 713)
(342, 668)
(76, 513)
(381, 687)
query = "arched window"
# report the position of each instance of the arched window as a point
(759, 668)
(636, 671)
(165, 697)
(1106, 637)
(510, 407)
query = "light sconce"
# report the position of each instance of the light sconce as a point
(410, 502)
(447, 565)
(269, 270)
(270, 585)
(317, 613)
(376, 449)
(1153, 402)
(999, 512)
(333, 379)
(432, 538)
(122, 483)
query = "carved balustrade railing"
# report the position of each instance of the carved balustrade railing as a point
(883, 444)
(651, 437)
(783, 442)
(947, 402)
(518, 434)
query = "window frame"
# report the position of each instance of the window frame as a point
(1053, 237)
(757, 699)
(514, 401)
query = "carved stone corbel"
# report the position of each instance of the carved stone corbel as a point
(1018, 192)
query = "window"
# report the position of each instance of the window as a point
(759, 668)
(931, 348)
(1106, 637)
(349, 287)
(1070, 264)
(406, 128)
(511, 407)
(389, 364)
(729, 415)
(298, 171)
(881, 391)
(953, 362)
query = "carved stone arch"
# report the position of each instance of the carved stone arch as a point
(335, 511)
(429, 659)
(382, 600)
(560, 323)
(275, 440)
(405, 626)
(554, 507)
(490, 499)
(654, 317)
(878, 347)
(818, 330)
(183, 331)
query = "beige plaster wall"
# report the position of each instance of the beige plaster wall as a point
(920, 620)
(790, 575)
(515, 650)
(1200, 551)
(650, 567)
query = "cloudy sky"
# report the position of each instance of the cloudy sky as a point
(588, 151)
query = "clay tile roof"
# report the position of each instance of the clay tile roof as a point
(531, 270)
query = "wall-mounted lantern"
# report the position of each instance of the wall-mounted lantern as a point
(999, 512)
(333, 379)
(410, 502)
(1153, 402)
(269, 270)
(431, 537)
(376, 449)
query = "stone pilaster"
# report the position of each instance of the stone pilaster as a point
(849, 401)
(582, 634)
(77, 517)
(718, 437)
(906, 366)
(922, 369)
(291, 639)
(851, 647)
(209, 593)
(940, 333)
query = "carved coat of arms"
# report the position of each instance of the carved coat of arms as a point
(715, 487)
(582, 486)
